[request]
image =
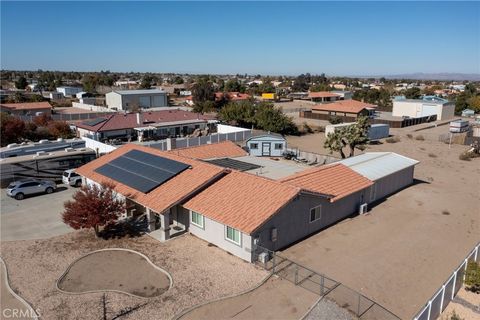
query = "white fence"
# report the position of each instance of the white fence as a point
(313, 158)
(91, 107)
(448, 291)
(99, 147)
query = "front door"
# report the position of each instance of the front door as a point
(265, 148)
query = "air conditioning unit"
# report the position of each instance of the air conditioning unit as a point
(263, 257)
(362, 209)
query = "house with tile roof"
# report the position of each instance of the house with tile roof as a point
(345, 108)
(27, 108)
(323, 96)
(236, 210)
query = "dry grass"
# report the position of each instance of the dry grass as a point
(419, 138)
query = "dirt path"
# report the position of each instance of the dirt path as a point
(403, 251)
(275, 299)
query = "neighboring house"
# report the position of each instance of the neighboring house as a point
(375, 132)
(345, 108)
(268, 145)
(323, 96)
(426, 106)
(144, 99)
(232, 96)
(222, 149)
(27, 108)
(237, 210)
(69, 91)
(344, 95)
(468, 113)
(145, 125)
(56, 95)
(389, 171)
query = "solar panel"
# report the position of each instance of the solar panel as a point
(234, 164)
(142, 171)
(94, 122)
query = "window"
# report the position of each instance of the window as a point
(315, 213)
(197, 219)
(253, 145)
(233, 235)
(278, 146)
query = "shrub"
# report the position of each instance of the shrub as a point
(465, 156)
(472, 277)
(446, 212)
(307, 128)
(409, 136)
(455, 316)
(432, 155)
(335, 120)
(393, 140)
(420, 138)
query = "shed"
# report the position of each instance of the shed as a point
(389, 171)
(267, 145)
(468, 113)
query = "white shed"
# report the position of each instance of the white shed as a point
(267, 145)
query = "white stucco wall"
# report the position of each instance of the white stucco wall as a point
(214, 232)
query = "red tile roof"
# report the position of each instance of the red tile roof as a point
(118, 121)
(224, 149)
(322, 94)
(242, 201)
(234, 96)
(27, 105)
(336, 180)
(167, 194)
(348, 106)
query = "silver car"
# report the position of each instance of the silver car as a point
(22, 188)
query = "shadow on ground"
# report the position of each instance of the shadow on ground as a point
(132, 227)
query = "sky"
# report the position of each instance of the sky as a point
(336, 38)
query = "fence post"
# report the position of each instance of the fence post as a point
(454, 282)
(476, 254)
(443, 296)
(429, 309)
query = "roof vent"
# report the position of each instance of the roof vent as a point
(43, 141)
(60, 140)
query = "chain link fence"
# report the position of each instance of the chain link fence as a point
(345, 297)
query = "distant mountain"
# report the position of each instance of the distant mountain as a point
(435, 76)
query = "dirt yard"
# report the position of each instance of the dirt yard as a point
(466, 305)
(9, 302)
(275, 299)
(115, 270)
(407, 246)
(200, 273)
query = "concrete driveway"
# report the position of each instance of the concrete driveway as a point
(35, 217)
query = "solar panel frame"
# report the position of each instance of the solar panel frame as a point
(157, 161)
(127, 178)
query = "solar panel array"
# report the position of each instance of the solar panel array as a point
(234, 164)
(142, 171)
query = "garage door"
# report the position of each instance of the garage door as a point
(428, 110)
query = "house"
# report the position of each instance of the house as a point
(323, 96)
(232, 96)
(145, 125)
(389, 171)
(69, 91)
(468, 113)
(234, 210)
(427, 106)
(130, 99)
(27, 108)
(345, 108)
(344, 95)
(268, 145)
(218, 150)
(56, 95)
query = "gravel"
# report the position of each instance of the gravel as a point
(200, 273)
(328, 310)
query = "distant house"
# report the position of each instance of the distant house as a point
(144, 99)
(268, 145)
(56, 95)
(27, 108)
(232, 96)
(345, 108)
(427, 106)
(344, 95)
(323, 96)
(69, 91)
(145, 125)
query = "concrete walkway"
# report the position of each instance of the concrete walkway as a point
(276, 299)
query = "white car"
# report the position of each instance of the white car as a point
(72, 178)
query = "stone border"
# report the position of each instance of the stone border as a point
(179, 315)
(111, 290)
(7, 283)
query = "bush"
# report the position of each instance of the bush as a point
(409, 136)
(420, 138)
(432, 155)
(307, 128)
(455, 316)
(335, 120)
(392, 140)
(472, 277)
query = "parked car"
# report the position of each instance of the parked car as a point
(20, 189)
(72, 178)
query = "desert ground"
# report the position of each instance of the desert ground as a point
(408, 245)
(466, 305)
(200, 273)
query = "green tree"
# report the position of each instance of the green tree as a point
(146, 82)
(233, 86)
(474, 103)
(353, 136)
(413, 93)
(178, 80)
(21, 83)
(203, 91)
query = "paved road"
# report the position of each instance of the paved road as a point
(34, 217)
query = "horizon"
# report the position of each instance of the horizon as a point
(360, 40)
